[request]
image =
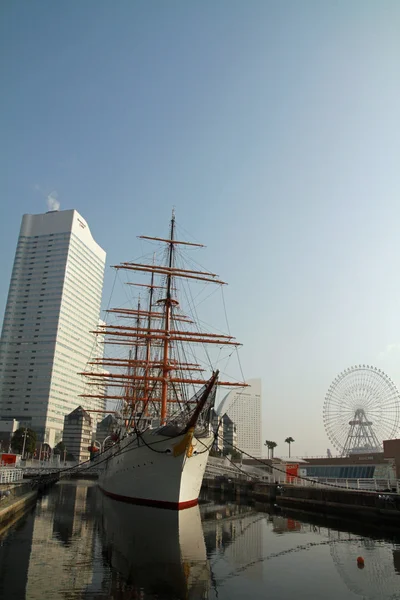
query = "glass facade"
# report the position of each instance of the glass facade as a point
(53, 306)
(341, 472)
(244, 408)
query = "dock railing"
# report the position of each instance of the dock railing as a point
(10, 475)
(368, 485)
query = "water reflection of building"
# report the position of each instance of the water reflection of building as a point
(237, 531)
(62, 544)
(14, 559)
(284, 525)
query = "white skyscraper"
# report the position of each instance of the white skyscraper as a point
(53, 305)
(243, 406)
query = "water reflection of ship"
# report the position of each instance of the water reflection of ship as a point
(154, 552)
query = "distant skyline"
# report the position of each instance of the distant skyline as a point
(273, 128)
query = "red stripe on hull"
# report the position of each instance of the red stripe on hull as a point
(155, 503)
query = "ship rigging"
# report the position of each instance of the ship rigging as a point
(158, 372)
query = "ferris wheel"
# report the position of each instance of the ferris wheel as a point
(379, 579)
(361, 409)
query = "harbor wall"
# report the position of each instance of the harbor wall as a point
(357, 504)
(377, 506)
(20, 498)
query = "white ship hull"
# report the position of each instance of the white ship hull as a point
(156, 470)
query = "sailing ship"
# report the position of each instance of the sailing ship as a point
(160, 449)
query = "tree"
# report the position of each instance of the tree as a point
(215, 453)
(59, 448)
(267, 443)
(236, 455)
(289, 440)
(270, 445)
(17, 441)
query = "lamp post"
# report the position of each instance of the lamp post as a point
(23, 446)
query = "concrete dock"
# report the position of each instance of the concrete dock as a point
(20, 498)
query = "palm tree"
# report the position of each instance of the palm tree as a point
(289, 440)
(270, 445)
(267, 443)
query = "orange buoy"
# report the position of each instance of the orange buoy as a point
(360, 562)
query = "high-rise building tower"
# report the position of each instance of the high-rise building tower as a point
(53, 306)
(243, 407)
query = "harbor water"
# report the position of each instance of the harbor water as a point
(78, 544)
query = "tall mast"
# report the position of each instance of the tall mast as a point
(131, 396)
(167, 312)
(148, 348)
(136, 359)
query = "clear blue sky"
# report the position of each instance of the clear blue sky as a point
(273, 127)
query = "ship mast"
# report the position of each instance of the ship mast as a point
(148, 348)
(167, 312)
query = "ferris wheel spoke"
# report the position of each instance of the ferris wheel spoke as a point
(362, 402)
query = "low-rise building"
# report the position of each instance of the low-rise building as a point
(105, 428)
(77, 434)
(229, 435)
(372, 465)
(391, 451)
(217, 427)
(7, 429)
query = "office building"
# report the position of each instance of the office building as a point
(53, 306)
(243, 407)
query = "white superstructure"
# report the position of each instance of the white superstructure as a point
(53, 305)
(243, 406)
